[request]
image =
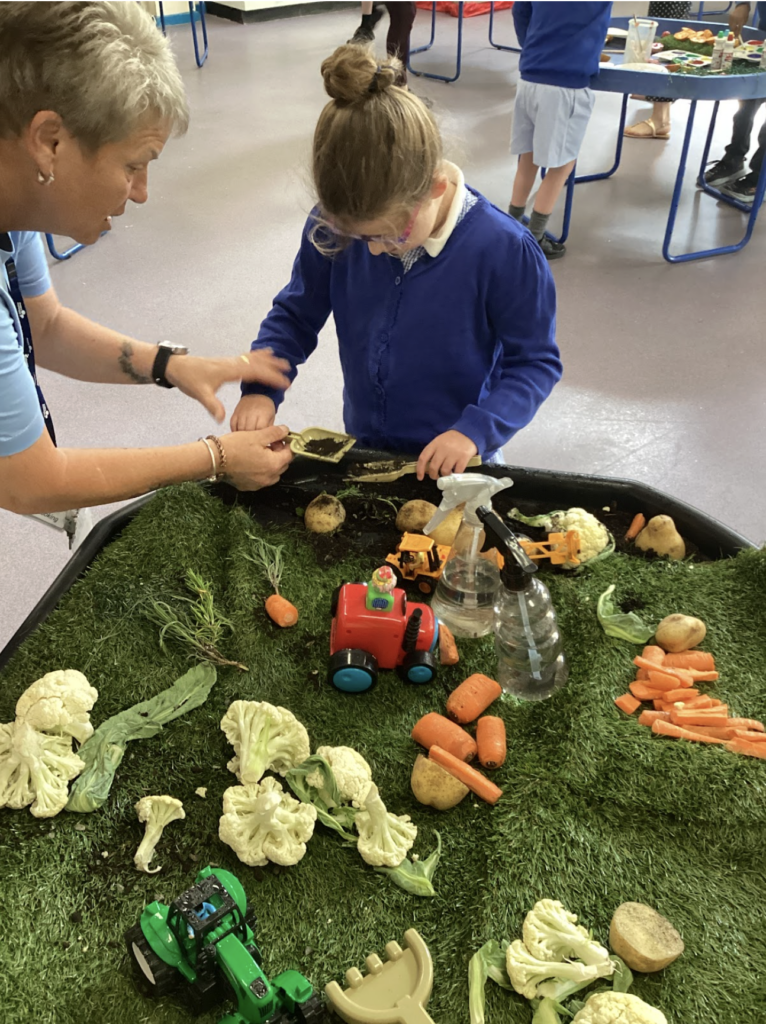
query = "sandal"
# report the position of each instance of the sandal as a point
(652, 133)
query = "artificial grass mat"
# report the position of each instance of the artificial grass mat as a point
(596, 810)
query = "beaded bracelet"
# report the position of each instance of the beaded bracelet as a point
(222, 454)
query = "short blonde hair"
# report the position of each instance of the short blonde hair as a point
(377, 148)
(103, 67)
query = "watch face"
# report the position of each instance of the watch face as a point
(175, 350)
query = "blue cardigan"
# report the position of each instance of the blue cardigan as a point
(561, 43)
(463, 341)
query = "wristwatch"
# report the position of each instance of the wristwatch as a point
(165, 349)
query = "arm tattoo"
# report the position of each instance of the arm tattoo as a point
(127, 367)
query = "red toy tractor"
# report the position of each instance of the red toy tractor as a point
(377, 627)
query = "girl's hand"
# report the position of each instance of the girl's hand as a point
(201, 378)
(448, 453)
(253, 412)
(256, 458)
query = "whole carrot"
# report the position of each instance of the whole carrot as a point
(434, 729)
(448, 654)
(490, 739)
(280, 610)
(472, 698)
(637, 524)
(475, 781)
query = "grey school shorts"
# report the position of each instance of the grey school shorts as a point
(550, 122)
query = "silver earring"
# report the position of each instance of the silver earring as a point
(43, 180)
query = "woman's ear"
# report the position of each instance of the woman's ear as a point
(42, 138)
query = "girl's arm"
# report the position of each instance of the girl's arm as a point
(298, 314)
(523, 318)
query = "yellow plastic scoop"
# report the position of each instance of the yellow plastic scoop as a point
(318, 443)
(388, 470)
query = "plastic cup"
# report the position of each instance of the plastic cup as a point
(638, 46)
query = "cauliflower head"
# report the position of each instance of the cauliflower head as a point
(527, 972)
(384, 839)
(59, 703)
(264, 737)
(352, 773)
(262, 823)
(552, 933)
(618, 1008)
(35, 769)
(595, 539)
(157, 812)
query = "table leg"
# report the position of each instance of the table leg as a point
(66, 253)
(617, 153)
(161, 6)
(429, 44)
(752, 211)
(498, 46)
(203, 26)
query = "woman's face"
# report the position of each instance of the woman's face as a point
(92, 187)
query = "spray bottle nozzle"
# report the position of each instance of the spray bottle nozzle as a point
(470, 489)
(518, 565)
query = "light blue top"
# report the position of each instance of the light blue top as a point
(21, 421)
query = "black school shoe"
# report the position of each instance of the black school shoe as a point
(551, 250)
(366, 31)
(743, 189)
(723, 171)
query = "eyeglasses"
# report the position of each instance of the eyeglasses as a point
(385, 239)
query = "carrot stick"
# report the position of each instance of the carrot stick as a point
(641, 674)
(661, 728)
(475, 781)
(643, 692)
(714, 702)
(649, 717)
(490, 739)
(663, 681)
(748, 736)
(472, 698)
(636, 526)
(683, 695)
(700, 660)
(708, 730)
(434, 729)
(654, 654)
(719, 709)
(448, 654)
(750, 749)
(692, 718)
(280, 610)
(700, 677)
(684, 677)
(746, 723)
(659, 705)
(627, 703)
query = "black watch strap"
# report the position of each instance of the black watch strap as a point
(164, 352)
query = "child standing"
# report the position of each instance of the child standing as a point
(560, 49)
(444, 306)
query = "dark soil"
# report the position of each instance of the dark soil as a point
(325, 446)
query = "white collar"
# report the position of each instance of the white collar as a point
(434, 245)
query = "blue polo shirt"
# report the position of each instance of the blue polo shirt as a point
(21, 421)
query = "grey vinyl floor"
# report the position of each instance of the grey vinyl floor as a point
(665, 377)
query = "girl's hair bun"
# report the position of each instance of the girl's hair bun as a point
(352, 74)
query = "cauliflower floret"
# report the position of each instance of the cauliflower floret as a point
(59, 703)
(352, 773)
(552, 933)
(264, 737)
(35, 769)
(262, 823)
(618, 1008)
(595, 539)
(384, 839)
(527, 972)
(157, 812)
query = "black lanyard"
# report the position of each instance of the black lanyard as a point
(26, 339)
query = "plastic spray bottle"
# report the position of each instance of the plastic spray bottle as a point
(465, 594)
(716, 61)
(528, 644)
(728, 53)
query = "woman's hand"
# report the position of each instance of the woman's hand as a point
(253, 412)
(251, 462)
(450, 452)
(201, 378)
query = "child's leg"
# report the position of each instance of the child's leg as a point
(522, 184)
(402, 18)
(550, 188)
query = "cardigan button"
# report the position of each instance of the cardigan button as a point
(398, 280)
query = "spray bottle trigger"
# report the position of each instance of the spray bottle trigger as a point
(498, 535)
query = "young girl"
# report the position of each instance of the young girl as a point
(444, 306)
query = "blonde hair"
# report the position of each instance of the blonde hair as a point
(376, 146)
(103, 67)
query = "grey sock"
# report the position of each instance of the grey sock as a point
(517, 212)
(538, 223)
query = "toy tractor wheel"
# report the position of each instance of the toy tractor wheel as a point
(425, 584)
(418, 667)
(352, 671)
(311, 1012)
(153, 976)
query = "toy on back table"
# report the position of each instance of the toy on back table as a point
(204, 939)
(394, 992)
(374, 626)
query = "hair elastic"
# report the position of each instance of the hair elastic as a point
(373, 87)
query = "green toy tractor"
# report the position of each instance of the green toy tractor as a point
(205, 938)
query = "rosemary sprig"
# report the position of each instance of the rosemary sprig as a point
(268, 557)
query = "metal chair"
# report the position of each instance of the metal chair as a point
(194, 8)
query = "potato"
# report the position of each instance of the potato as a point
(678, 633)
(413, 516)
(446, 531)
(661, 536)
(324, 514)
(644, 939)
(434, 786)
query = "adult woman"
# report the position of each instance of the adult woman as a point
(89, 94)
